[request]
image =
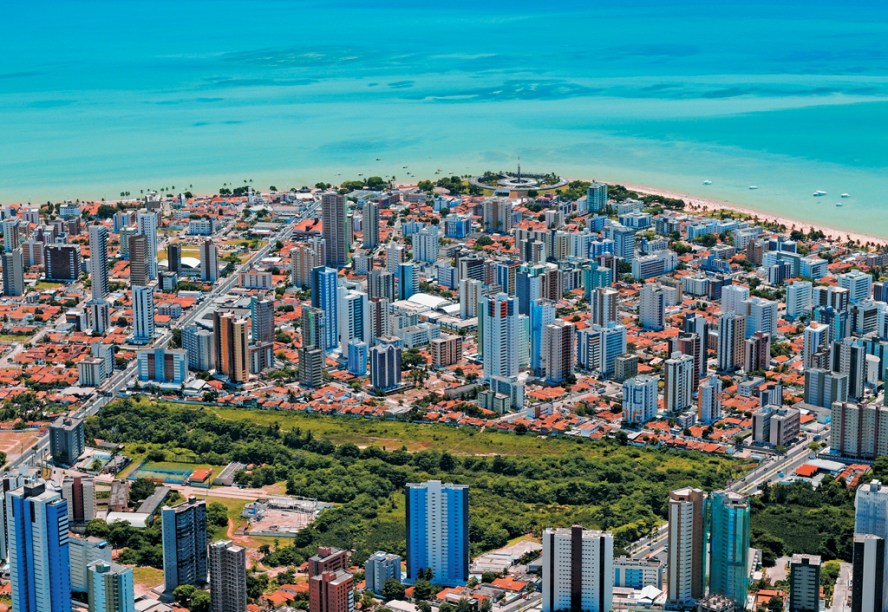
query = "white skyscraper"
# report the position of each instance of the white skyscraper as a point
(354, 318)
(816, 339)
(499, 332)
(577, 570)
(98, 260)
(679, 379)
(143, 314)
(798, 298)
(710, 400)
(732, 299)
(425, 244)
(871, 517)
(762, 316)
(640, 399)
(859, 285)
(652, 307)
(147, 224)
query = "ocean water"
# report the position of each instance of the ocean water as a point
(103, 96)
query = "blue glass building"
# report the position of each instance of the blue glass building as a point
(324, 296)
(438, 532)
(39, 566)
(357, 358)
(729, 546)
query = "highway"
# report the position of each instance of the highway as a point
(118, 381)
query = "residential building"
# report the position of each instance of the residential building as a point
(425, 244)
(380, 567)
(110, 587)
(757, 352)
(688, 343)
(66, 439)
(868, 580)
(709, 400)
(733, 298)
(146, 222)
(200, 348)
(98, 261)
(81, 552)
(686, 561)
(209, 261)
(370, 225)
(13, 272)
(804, 583)
(729, 542)
(498, 328)
(228, 577)
(262, 319)
(174, 257)
(559, 350)
(305, 257)
(652, 307)
(859, 285)
(604, 305)
(799, 295)
(640, 399)
(143, 314)
(80, 493)
(354, 318)
(775, 426)
(162, 365)
(730, 341)
(638, 573)
(446, 351)
(61, 262)
(137, 250)
(385, 367)
(578, 572)
(232, 337)
(438, 531)
(336, 229)
(324, 295)
(331, 592)
(408, 280)
(823, 388)
(311, 366)
(184, 530)
(816, 338)
(679, 380)
(598, 347)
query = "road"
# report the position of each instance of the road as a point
(655, 544)
(120, 379)
(841, 601)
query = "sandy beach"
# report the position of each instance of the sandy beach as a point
(703, 205)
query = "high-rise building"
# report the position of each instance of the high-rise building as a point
(859, 431)
(757, 352)
(578, 570)
(729, 540)
(228, 577)
(394, 256)
(98, 261)
(497, 215)
(354, 318)
(823, 388)
(143, 314)
(652, 307)
(162, 365)
(624, 242)
(232, 337)
(146, 220)
(604, 305)
(679, 382)
(262, 319)
(311, 366)
(697, 324)
(816, 340)
(80, 493)
(799, 295)
(61, 262)
(209, 261)
(688, 343)
(408, 280)
(198, 344)
(110, 587)
(469, 297)
(559, 350)
(871, 517)
(730, 341)
(81, 552)
(868, 583)
(138, 258)
(686, 563)
(498, 326)
(379, 567)
(385, 367)
(313, 326)
(335, 228)
(39, 567)
(370, 225)
(625, 367)
(542, 313)
(849, 358)
(761, 316)
(324, 295)
(328, 559)
(598, 347)
(184, 530)
(732, 298)
(709, 400)
(804, 583)
(381, 284)
(596, 197)
(425, 244)
(331, 592)
(438, 531)
(305, 257)
(13, 272)
(640, 399)
(174, 257)
(859, 285)
(66, 439)
(12, 237)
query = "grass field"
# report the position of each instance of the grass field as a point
(147, 576)
(416, 437)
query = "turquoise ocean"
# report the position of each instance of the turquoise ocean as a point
(99, 97)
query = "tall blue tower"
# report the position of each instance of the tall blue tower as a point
(324, 296)
(438, 532)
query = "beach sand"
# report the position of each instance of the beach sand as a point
(703, 205)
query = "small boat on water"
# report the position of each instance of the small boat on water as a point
(839, 204)
(846, 195)
(753, 187)
(707, 182)
(819, 193)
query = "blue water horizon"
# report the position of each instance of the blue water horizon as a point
(99, 97)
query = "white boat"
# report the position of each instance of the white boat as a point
(707, 182)
(819, 193)
(753, 187)
(846, 195)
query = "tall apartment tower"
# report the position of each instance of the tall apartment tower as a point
(143, 314)
(804, 583)
(498, 324)
(709, 400)
(604, 305)
(871, 517)
(228, 577)
(679, 382)
(385, 366)
(816, 340)
(688, 343)
(39, 566)
(98, 261)
(640, 399)
(138, 260)
(686, 564)
(80, 493)
(232, 337)
(370, 227)
(110, 587)
(325, 295)
(262, 319)
(354, 318)
(184, 530)
(731, 329)
(304, 257)
(438, 531)
(146, 221)
(335, 228)
(331, 592)
(652, 307)
(559, 350)
(209, 261)
(729, 542)
(174, 257)
(868, 586)
(578, 570)
(13, 272)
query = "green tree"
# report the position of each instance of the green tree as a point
(423, 590)
(217, 515)
(393, 589)
(141, 489)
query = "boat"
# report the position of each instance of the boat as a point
(753, 187)
(839, 204)
(707, 182)
(846, 195)
(819, 193)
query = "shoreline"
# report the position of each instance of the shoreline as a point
(708, 205)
